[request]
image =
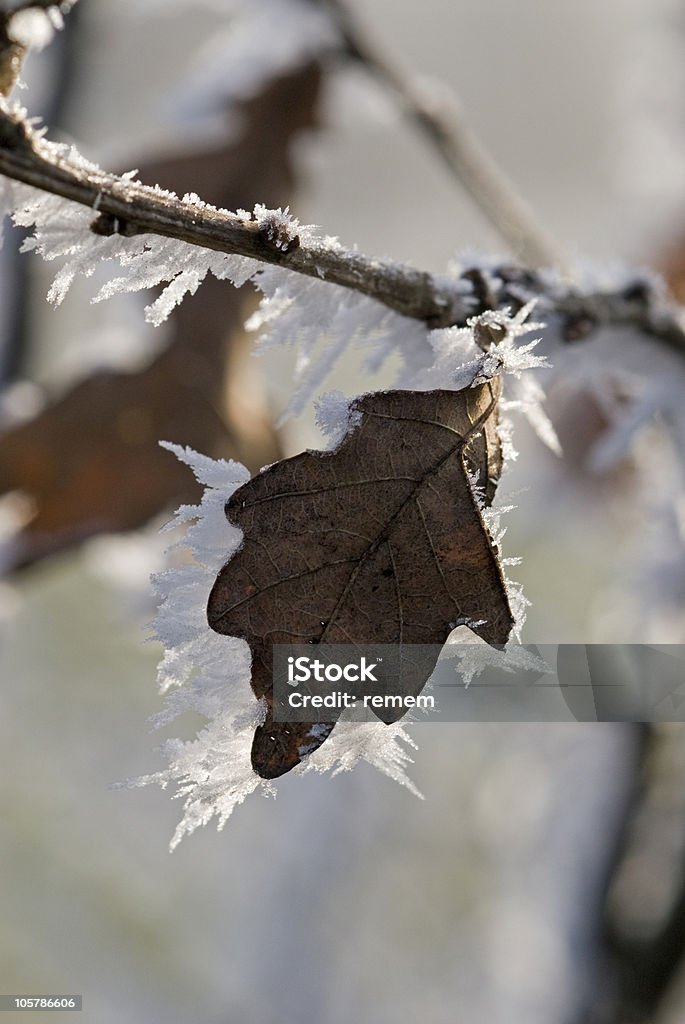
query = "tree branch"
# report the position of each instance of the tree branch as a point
(436, 113)
(130, 208)
(135, 209)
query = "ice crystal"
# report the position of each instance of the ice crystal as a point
(209, 674)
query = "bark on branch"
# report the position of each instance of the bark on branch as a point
(130, 208)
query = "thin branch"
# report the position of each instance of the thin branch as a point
(130, 208)
(592, 997)
(643, 961)
(436, 112)
(137, 209)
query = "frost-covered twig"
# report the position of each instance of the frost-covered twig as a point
(127, 208)
(436, 112)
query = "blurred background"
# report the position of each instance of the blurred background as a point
(542, 879)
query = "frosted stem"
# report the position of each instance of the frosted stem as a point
(121, 206)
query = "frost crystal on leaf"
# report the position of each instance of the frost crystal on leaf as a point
(209, 674)
(459, 357)
(473, 656)
(333, 416)
(465, 357)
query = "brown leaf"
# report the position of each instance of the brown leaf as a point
(379, 542)
(670, 263)
(91, 462)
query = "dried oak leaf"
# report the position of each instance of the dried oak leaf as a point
(381, 541)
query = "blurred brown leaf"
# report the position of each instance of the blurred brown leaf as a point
(671, 265)
(380, 542)
(91, 462)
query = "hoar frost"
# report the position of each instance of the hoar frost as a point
(202, 671)
(209, 674)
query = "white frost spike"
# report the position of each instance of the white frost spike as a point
(209, 674)
(506, 355)
(278, 225)
(526, 396)
(522, 393)
(459, 358)
(333, 416)
(62, 230)
(374, 742)
(460, 362)
(473, 656)
(322, 321)
(492, 518)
